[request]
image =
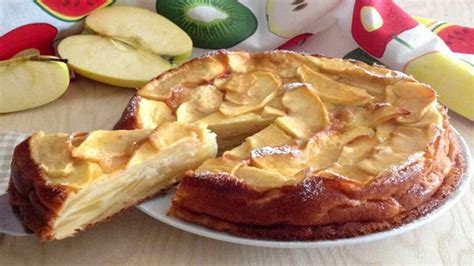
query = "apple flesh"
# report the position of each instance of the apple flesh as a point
(146, 28)
(28, 82)
(110, 61)
(126, 46)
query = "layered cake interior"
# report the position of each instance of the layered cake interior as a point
(63, 183)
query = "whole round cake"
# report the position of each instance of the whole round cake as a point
(310, 147)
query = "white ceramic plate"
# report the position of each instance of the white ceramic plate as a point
(158, 207)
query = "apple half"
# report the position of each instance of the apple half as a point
(31, 81)
(126, 46)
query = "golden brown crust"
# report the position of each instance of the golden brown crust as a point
(298, 196)
(37, 202)
(314, 208)
(128, 120)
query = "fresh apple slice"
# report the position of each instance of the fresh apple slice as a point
(28, 82)
(333, 91)
(111, 61)
(141, 27)
(125, 46)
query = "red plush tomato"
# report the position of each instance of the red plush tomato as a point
(376, 22)
(38, 36)
(71, 10)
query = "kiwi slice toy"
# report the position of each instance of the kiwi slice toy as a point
(211, 24)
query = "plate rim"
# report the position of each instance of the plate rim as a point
(226, 237)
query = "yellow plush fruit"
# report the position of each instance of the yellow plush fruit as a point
(452, 79)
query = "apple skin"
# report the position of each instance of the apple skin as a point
(109, 80)
(39, 36)
(125, 46)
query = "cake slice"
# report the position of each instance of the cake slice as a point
(62, 183)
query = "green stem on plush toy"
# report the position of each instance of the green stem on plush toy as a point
(402, 42)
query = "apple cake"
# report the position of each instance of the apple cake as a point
(61, 183)
(310, 147)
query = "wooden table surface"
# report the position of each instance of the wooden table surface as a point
(135, 238)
